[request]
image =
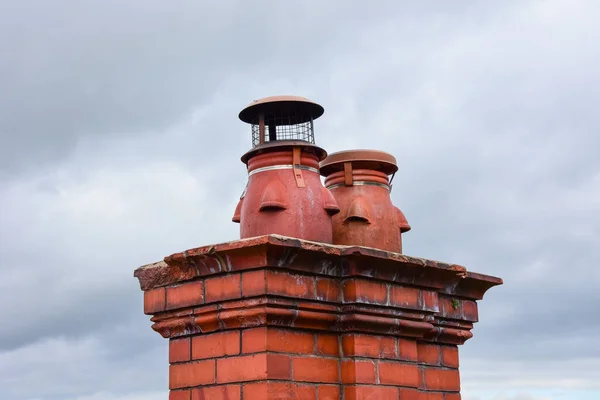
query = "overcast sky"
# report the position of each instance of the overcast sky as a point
(120, 145)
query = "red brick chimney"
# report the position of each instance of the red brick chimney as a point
(285, 317)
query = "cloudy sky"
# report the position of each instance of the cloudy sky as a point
(120, 144)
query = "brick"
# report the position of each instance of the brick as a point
(228, 392)
(216, 345)
(391, 373)
(311, 305)
(277, 340)
(241, 369)
(254, 340)
(154, 301)
(238, 304)
(451, 396)
(307, 392)
(290, 342)
(469, 309)
(442, 379)
(327, 345)
(208, 321)
(402, 296)
(450, 307)
(180, 350)
(407, 349)
(328, 289)
(191, 374)
(410, 394)
(431, 396)
(429, 300)
(279, 366)
(450, 356)
(315, 369)
(370, 393)
(430, 354)
(329, 392)
(358, 372)
(254, 283)
(247, 258)
(180, 395)
(286, 284)
(369, 346)
(222, 288)
(245, 317)
(279, 391)
(185, 295)
(363, 291)
(314, 320)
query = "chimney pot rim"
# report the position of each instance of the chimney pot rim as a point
(360, 158)
(280, 145)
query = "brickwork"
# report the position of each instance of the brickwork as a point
(300, 320)
(310, 365)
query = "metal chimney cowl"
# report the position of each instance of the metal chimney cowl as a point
(284, 194)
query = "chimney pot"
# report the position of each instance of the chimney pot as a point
(284, 194)
(358, 180)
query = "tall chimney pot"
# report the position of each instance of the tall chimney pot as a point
(284, 194)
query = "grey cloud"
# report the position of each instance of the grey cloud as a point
(71, 368)
(102, 68)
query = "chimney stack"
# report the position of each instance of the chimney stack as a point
(316, 300)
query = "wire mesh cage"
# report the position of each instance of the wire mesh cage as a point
(281, 118)
(282, 126)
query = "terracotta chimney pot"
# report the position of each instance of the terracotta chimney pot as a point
(284, 194)
(358, 180)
